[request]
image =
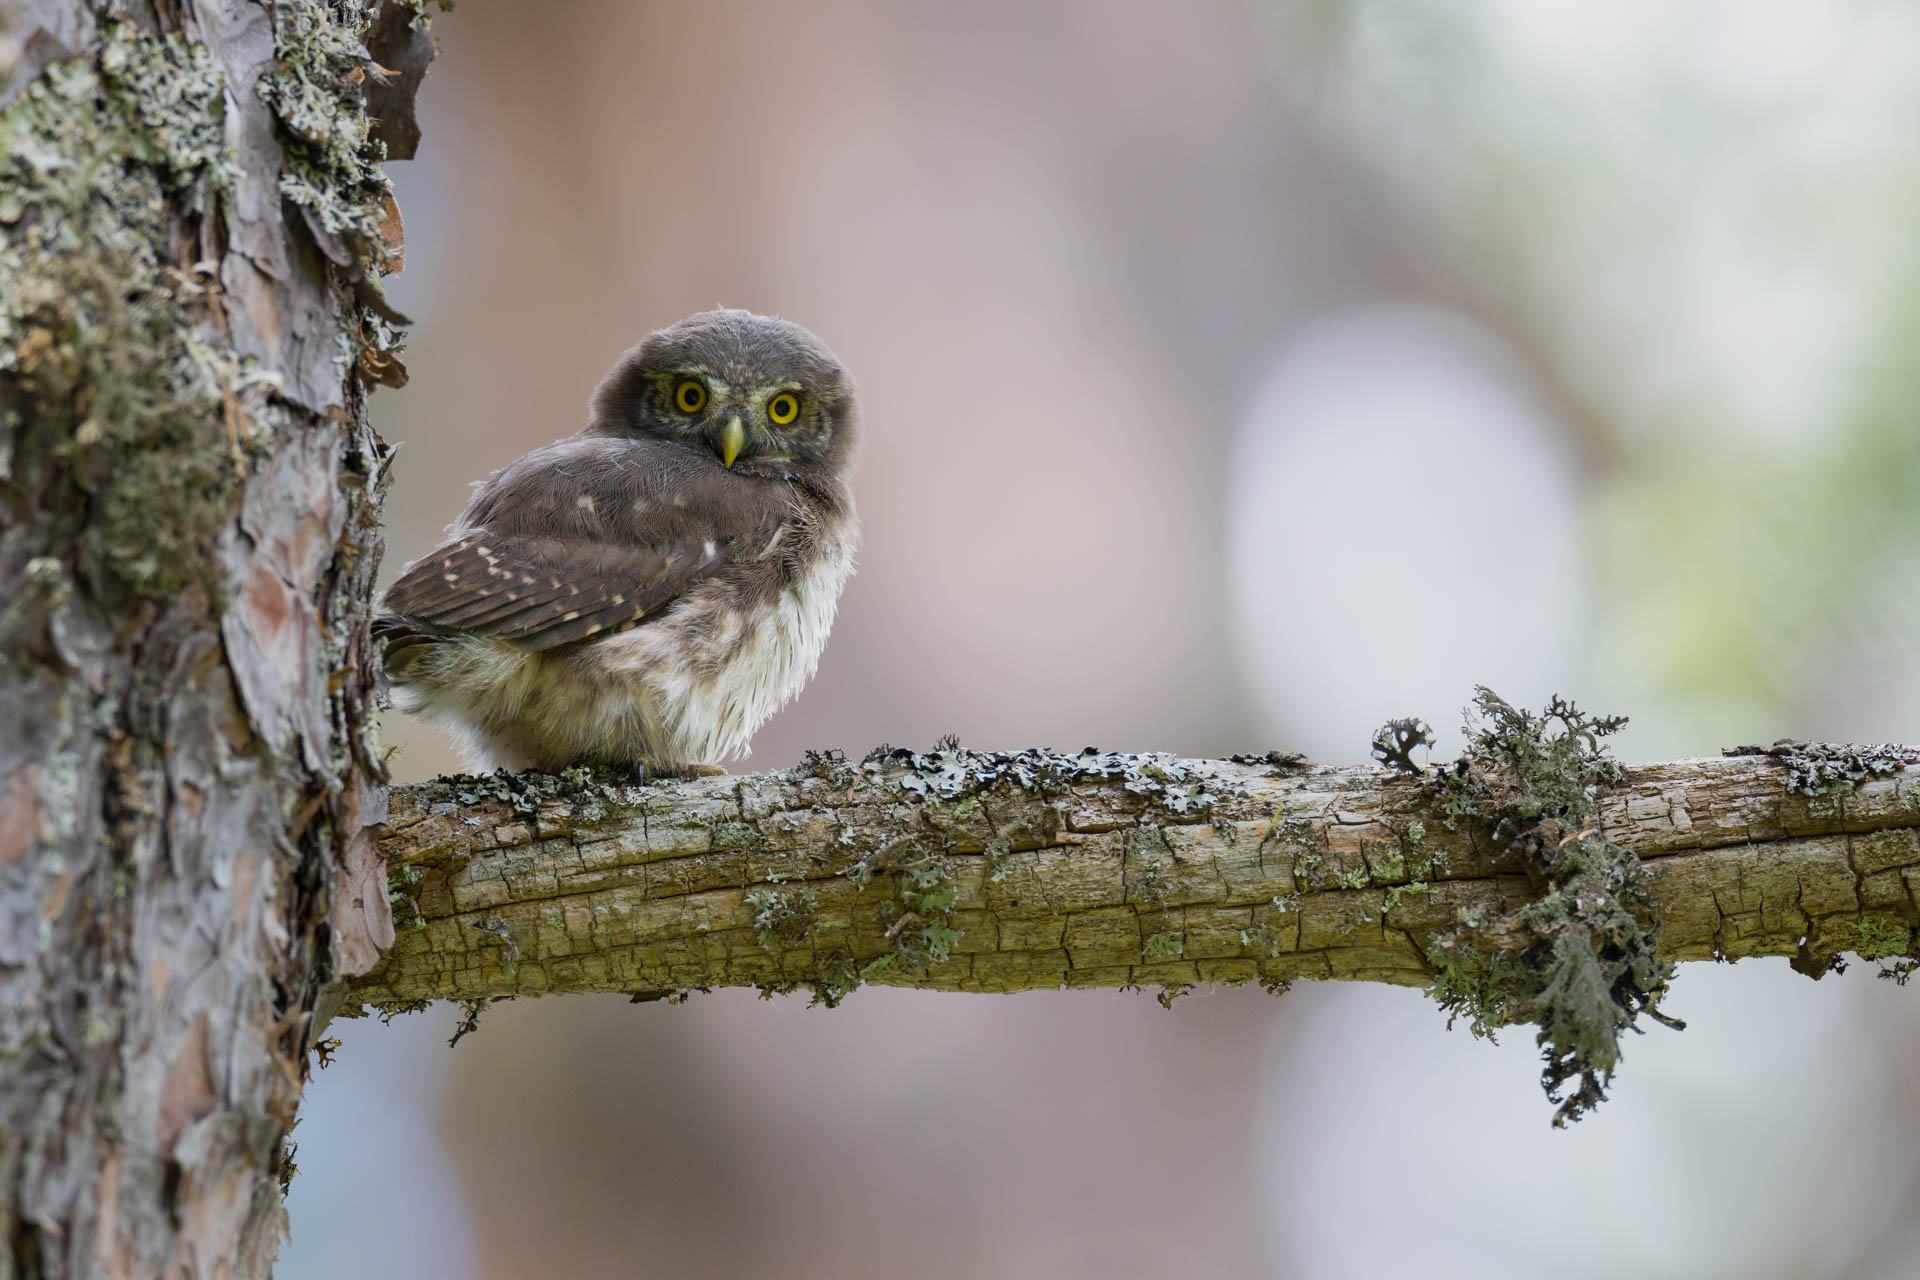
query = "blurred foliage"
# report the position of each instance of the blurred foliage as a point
(1692, 223)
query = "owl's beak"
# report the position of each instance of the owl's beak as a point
(732, 439)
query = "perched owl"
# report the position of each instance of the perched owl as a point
(647, 592)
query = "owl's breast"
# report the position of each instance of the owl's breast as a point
(734, 650)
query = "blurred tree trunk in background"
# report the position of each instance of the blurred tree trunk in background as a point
(192, 216)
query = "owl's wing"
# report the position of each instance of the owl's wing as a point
(573, 541)
(540, 592)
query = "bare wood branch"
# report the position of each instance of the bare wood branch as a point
(793, 878)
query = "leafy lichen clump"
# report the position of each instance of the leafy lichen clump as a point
(1590, 968)
(781, 915)
(589, 790)
(332, 161)
(1163, 946)
(118, 385)
(921, 932)
(402, 883)
(331, 170)
(1395, 742)
(1824, 768)
(423, 10)
(1879, 938)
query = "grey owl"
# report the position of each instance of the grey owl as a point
(648, 591)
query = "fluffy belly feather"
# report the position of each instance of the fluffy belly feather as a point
(688, 688)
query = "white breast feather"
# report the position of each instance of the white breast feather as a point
(688, 688)
(703, 717)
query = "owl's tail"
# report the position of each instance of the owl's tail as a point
(402, 643)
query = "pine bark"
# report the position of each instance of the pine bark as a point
(827, 877)
(189, 496)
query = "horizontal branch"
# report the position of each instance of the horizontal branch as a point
(995, 873)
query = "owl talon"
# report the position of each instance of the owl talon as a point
(645, 772)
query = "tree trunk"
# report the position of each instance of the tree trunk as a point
(959, 873)
(192, 216)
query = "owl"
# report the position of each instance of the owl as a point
(646, 592)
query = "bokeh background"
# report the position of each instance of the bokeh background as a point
(1240, 373)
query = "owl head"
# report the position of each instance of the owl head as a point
(761, 395)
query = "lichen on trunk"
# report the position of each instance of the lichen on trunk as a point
(188, 533)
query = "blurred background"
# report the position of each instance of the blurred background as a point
(1239, 374)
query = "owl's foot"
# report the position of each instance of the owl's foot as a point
(646, 771)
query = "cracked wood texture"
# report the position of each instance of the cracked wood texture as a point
(188, 536)
(787, 879)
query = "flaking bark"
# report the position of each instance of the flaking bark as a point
(188, 535)
(822, 878)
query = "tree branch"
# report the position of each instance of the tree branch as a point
(959, 877)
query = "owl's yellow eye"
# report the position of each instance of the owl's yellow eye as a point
(690, 395)
(783, 408)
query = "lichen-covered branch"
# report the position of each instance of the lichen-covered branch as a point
(956, 871)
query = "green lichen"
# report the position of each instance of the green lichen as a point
(837, 978)
(1162, 946)
(591, 794)
(999, 852)
(388, 1012)
(99, 304)
(1591, 968)
(1489, 990)
(1146, 853)
(830, 765)
(1880, 937)
(118, 392)
(1261, 940)
(920, 931)
(469, 1023)
(736, 835)
(1395, 742)
(1818, 769)
(401, 883)
(423, 10)
(781, 916)
(927, 891)
(950, 771)
(1391, 865)
(1301, 839)
(1900, 970)
(332, 161)
(1412, 889)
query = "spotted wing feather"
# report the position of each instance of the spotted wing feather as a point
(542, 593)
(583, 538)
